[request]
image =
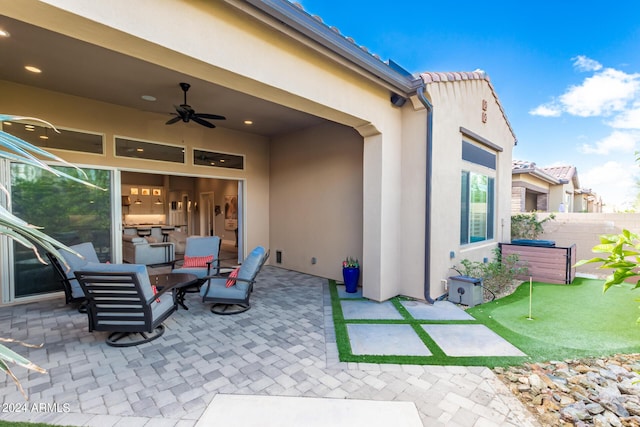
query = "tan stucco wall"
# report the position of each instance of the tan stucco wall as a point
(584, 230)
(455, 105)
(316, 199)
(276, 65)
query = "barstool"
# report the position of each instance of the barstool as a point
(165, 233)
(144, 232)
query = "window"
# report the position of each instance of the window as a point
(477, 207)
(219, 160)
(68, 211)
(126, 147)
(64, 139)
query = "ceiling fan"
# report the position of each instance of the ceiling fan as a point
(185, 113)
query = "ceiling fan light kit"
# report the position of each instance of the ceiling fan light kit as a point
(185, 113)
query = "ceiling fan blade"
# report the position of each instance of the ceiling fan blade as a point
(203, 122)
(173, 120)
(210, 116)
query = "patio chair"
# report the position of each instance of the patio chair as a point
(72, 290)
(121, 300)
(201, 257)
(230, 293)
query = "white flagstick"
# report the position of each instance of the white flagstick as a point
(530, 297)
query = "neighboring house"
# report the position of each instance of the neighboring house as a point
(551, 189)
(531, 187)
(586, 200)
(336, 153)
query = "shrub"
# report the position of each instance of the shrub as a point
(497, 275)
(527, 226)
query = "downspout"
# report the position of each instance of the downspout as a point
(427, 215)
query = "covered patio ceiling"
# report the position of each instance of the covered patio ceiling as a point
(78, 68)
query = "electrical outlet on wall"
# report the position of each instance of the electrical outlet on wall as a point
(445, 284)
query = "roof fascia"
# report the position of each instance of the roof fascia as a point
(293, 17)
(538, 174)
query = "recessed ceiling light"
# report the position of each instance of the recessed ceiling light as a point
(248, 122)
(4, 33)
(44, 137)
(139, 150)
(149, 98)
(32, 69)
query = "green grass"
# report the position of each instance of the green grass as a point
(568, 321)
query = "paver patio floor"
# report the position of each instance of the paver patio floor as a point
(283, 346)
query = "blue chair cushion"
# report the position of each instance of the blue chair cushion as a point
(203, 246)
(88, 251)
(139, 269)
(198, 246)
(251, 264)
(218, 289)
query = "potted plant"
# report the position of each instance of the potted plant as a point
(351, 274)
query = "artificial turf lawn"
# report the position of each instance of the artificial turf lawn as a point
(438, 356)
(568, 321)
(576, 320)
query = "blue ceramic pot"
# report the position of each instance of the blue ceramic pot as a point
(351, 276)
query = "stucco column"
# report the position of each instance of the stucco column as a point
(381, 215)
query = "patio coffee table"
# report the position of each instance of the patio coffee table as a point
(182, 282)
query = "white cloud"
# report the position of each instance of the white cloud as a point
(547, 110)
(618, 141)
(614, 182)
(606, 92)
(583, 63)
(628, 119)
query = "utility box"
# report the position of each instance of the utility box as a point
(466, 290)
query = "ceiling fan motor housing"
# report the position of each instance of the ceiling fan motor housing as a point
(185, 113)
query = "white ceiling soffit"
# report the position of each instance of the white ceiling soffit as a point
(82, 69)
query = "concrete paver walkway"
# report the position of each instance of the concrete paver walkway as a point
(456, 340)
(284, 346)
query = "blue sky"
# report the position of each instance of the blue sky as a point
(566, 72)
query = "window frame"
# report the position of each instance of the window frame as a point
(478, 160)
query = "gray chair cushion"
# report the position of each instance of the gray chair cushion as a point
(140, 270)
(251, 264)
(88, 251)
(218, 289)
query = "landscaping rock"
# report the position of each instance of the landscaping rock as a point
(591, 392)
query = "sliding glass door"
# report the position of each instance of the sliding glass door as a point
(67, 211)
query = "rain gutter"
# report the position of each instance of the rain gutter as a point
(427, 215)
(302, 22)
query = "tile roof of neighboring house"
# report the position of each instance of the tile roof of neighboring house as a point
(567, 173)
(523, 166)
